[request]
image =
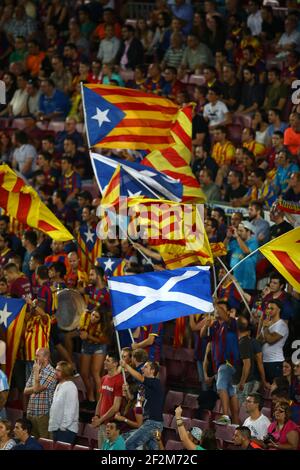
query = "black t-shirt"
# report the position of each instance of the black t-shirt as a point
(257, 348)
(290, 195)
(246, 352)
(232, 92)
(200, 126)
(154, 399)
(280, 229)
(235, 193)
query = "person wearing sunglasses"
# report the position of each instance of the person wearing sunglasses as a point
(283, 433)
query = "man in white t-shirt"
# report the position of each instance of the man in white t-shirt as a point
(273, 335)
(2, 355)
(215, 112)
(256, 422)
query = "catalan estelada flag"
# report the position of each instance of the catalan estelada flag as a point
(12, 316)
(175, 160)
(112, 266)
(117, 117)
(22, 202)
(284, 253)
(90, 247)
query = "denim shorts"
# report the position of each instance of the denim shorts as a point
(224, 379)
(93, 348)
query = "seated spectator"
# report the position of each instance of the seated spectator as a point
(20, 50)
(292, 134)
(174, 54)
(34, 58)
(286, 166)
(70, 181)
(34, 93)
(172, 85)
(223, 152)
(249, 142)
(162, 33)
(200, 96)
(155, 81)
(20, 25)
(24, 155)
(276, 92)
(210, 75)
(283, 433)
(235, 189)
(4, 390)
(183, 12)
(60, 76)
(6, 441)
(231, 87)
(290, 39)
(250, 59)
(291, 71)
(260, 125)
(272, 25)
(292, 192)
(71, 57)
(195, 56)
(54, 104)
(202, 160)
(260, 190)
(216, 112)
(69, 132)
(218, 213)
(22, 432)
(109, 46)
(252, 92)
(215, 32)
(277, 146)
(210, 189)
(256, 422)
(87, 26)
(274, 118)
(254, 20)
(200, 134)
(75, 37)
(262, 227)
(109, 17)
(18, 102)
(295, 393)
(95, 72)
(242, 438)
(211, 226)
(110, 76)
(130, 416)
(131, 52)
(145, 34)
(114, 441)
(139, 79)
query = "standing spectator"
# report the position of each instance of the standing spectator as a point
(152, 406)
(262, 227)
(29, 242)
(114, 441)
(110, 399)
(34, 58)
(277, 286)
(225, 356)
(6, 442)
(149, 338)
(24, 154)
(231, 87)
(109, 46)
(256, 422)
(184, 12)
(131, 52)
(22, 431)
(273, 335)
(64, 411)
(215, 112)
(40, 387)
(19, 285)
(254, 20)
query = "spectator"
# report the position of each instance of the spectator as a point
(109, 46)
(235, 190)
(215, 112)
(242, 438)
(277, 285)
(17, 104)
(155, 81)
(260, 126)
(195, 439)
(131, 50)
(130, 416)
(292, 134)
(153, 406)
(255, 20)
(34, 58)
(183, 12)
(6, 441)
(286, 167)
(22, 431)
(249, 142)
(280, 226)
(284, 432)
(202, 160)
(293, 189)
(70, 181)
(272, 25)
(20, 25)
(223, 151)
(210, 189)
(262, 227)
(40, 387)
(215, 32)
(290, 39)
(4, 390)
(114, 441)
(252, 93)
(231, 87)
(195, 56)
(110, 397)
(54, 104)
(256, 422)
(149, 338)
(19, 285)
(273, 335)
(276, 92)
(69, 132)
(174, 54)
(274, 118)
(29, 242)
(64, 411)
(60, 76)
(172, 85)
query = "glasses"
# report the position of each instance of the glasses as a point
(250, 401)
(280, 411)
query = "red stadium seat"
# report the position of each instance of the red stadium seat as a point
(13, 414)
(174, 445)
(163, 375)
(77, 447)
(199, 423)
(225, 432)
(173, 399)
(62, 446)
(91, 434)
(47, 444)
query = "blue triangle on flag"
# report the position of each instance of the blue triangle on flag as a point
(101, 116)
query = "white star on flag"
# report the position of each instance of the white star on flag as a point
(101, 116)
(108, 264)
(130, 194)
(4, 314)
(89, 236)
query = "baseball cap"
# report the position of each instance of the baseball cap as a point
(196, 433)
(248, 226)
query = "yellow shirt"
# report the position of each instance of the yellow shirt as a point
(255, 147)
(223, 153)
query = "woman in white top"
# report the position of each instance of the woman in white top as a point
(64, 411)
(6, 443)
(260, 125)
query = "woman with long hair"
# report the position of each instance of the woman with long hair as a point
(131, 412)
(96, 333)
(283, 433)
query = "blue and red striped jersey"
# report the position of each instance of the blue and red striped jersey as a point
(224, 343)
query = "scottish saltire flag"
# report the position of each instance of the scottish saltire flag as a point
(109, 265)
(117, 117)
(12, 315)
(135, 179)
(155, 297)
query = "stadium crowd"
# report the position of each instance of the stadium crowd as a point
(205, 382)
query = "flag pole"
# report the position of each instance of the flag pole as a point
(131, 335)
(237, 285)
(120, 354)
(240, 262)
(84, 115)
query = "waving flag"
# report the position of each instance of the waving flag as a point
(130, 179)
(90, 247)
(175, 160)
(117, 117)
(111, 266)
(155, 297)
(284, 253)
(22, 202)
(12, 315)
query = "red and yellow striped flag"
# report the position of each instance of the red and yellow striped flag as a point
(117, 117)
(284, 253)
(175, 160)
(22, 202)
